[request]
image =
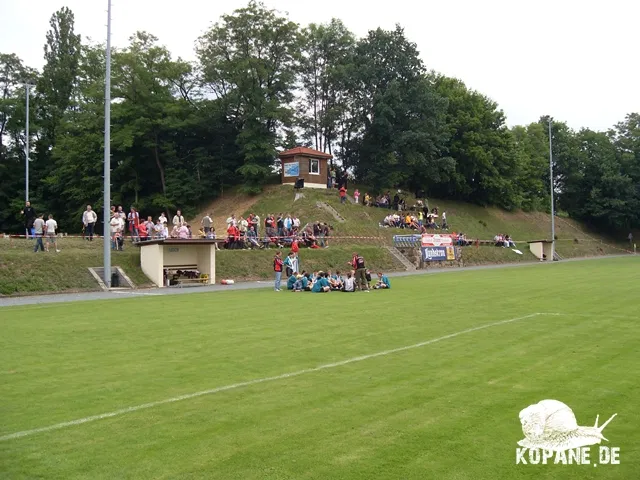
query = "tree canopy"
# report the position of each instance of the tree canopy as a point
(183, 131)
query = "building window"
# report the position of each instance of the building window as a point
(314, 166)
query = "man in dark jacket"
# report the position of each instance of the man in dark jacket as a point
(29, 214)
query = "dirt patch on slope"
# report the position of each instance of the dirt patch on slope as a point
(224, 206)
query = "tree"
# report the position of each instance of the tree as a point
(402, 117)
(75, 177)
(249, 60)
(482, 147)
(533, 184)
(605, 193)
(327, 50)
(12, 137)
(626, 138)
(54, 90)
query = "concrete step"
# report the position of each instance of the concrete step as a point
(404, 260)
(325, 206)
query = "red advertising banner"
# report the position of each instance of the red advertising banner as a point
(435, 240)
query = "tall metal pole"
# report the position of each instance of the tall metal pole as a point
(27, 86)
(553, 214)
(107, 155)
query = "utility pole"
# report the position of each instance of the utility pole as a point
(553, 214)
(107, 156)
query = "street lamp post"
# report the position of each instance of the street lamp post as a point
(107, 156)
(27, 87)
(553, 214)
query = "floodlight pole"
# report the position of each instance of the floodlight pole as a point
(27, 87)
(107, 156)
(553, 222)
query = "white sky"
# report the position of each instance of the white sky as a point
(576, 60)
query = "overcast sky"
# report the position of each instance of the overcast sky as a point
(575, 60)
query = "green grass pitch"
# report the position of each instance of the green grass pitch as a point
(446, 409)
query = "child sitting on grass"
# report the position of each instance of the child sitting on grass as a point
(383, 281)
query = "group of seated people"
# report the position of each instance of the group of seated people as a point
(422, 220)
(322, 282)
(460, 239)
(504, 240)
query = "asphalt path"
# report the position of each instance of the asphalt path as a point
(146, 292)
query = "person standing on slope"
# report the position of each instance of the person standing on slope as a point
(29, 214)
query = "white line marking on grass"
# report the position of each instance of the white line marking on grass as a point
(234, 386)
(588, 315)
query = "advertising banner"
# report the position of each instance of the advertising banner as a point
(291, 169)
(430, 254)
(435, 240)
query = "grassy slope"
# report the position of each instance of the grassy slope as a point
(23, 272)
(447, 410)
(475, 221)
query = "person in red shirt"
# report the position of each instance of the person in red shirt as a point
(233, 235)
(134, 222)
(343, 194)
(142, 232)
(277, 268)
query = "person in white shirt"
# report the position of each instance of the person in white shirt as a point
(243, 226)
(349, 283)
(178, 219)
(231, 221)
(296, 222)
(162, 219)
(89, 219)
(165, 230)
(159, 229)
(114, 227)
(51, 226)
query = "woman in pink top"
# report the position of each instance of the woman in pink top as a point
(183, 231)
(356, 195)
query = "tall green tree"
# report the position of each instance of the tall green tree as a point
(482, 146)
(55, 86)
(13, 73)
(605, 193)
(75, 178)
(249, 60)
(403, 117)
(533, 183)
(327, 51)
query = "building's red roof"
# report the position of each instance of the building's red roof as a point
(310, 152)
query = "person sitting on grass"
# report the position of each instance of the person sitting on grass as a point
(300, 283)
(383, 281)
(322, 284)
(291, 281)
(306, 281)
(336, 281)
(349, 283)
(508, 241)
